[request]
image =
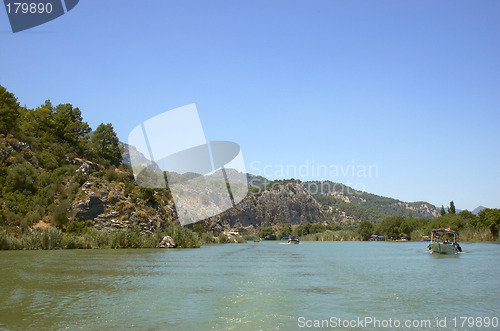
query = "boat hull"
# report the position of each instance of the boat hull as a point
(440, 248)
(291, 242)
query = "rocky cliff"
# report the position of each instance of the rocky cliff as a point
(278, 203)
(111, 207)
(118, 205)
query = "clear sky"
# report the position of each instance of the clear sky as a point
(408, 91)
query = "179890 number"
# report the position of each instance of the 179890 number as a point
(32, 8)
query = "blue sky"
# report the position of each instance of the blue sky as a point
(409, 88)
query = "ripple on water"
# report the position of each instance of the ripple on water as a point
(266, 286)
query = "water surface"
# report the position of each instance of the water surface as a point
(248, 286)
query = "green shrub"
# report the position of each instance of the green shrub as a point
(207, 238)
(97, 239)
(43, 239)
(31, 218)
(76, 242)
(339, 235)
(418, 235)
(267, 233)
(78, 227)
(240, 240)
(117, 239)
(21, 177)
(8, 241)
(250, 237)
(223, 239)
(59, 212)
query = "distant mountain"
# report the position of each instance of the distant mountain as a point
(130, 152)
(478, 209)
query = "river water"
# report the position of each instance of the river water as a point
(252, 286)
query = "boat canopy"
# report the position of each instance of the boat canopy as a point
(444, 231)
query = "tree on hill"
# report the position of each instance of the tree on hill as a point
(70, 127)
(451, 208)
(10, 111)
(443, 212)
(105, 144)
(39, 123)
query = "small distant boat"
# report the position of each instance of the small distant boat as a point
(293, 240)
(440, 243)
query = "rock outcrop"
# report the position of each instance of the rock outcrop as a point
(106, 204)
(9, 145)
(167, 242)
(282, 202)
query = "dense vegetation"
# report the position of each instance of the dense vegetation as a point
(345, 205)
(471, 227)
(483, 227)
(41, 154)
(88, 238)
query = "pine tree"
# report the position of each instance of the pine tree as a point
(451, 208)
(9, 111)
(105, 144)
(443, 212)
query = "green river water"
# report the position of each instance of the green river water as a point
(253, 286)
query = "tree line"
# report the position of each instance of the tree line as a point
(481, 227)
(484, 226)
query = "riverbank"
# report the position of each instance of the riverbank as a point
(468, 235)
(53, 238)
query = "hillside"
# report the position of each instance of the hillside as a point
(345, 206)
(55, 170)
